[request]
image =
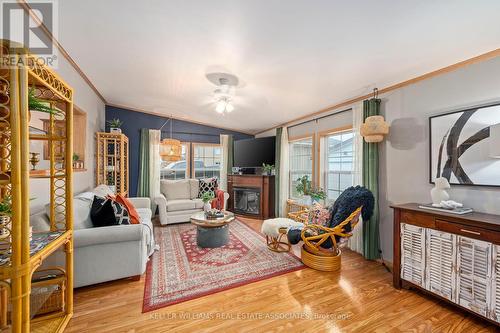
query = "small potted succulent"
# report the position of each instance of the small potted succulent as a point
(5, 216)
(207, 198)
(115, 125)
(267, 169)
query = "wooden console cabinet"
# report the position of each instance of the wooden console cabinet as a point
(264, 185)
(454, 257)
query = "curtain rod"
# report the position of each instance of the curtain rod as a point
(319, 118)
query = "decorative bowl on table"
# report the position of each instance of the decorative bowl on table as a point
(213, 214)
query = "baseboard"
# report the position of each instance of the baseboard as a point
(387, 264)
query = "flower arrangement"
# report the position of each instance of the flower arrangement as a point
(207, 197)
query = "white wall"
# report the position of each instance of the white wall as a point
(404, 156)
(88, 101)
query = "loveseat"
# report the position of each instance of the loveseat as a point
(105, 253)
(179, 200)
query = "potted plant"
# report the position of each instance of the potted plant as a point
(35, 104)
(310, 194)
(5, 215)
(76, 158)
(267, 169)
(303, 188)
(115, 125)
(317, 194)
(207, 198)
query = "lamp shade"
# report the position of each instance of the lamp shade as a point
(495, 141)
(170, 150)
(374, 129)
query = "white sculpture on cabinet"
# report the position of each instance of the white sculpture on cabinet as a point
(441, 198)
(438, 193)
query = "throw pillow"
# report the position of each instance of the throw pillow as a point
(319, 215)
(132, 212)
(207, 185)
(121, 213)
(175, 189)
(102, 213)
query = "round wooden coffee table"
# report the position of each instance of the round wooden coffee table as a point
(211, 233)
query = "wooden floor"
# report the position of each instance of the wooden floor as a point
(360, 298)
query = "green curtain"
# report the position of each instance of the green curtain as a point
(143, 183)
(230, 154)
(371, 246)
(279, 133)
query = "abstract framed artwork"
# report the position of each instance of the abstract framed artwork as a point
(462, 146)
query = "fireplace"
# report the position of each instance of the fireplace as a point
(251, 195)
(247, 200)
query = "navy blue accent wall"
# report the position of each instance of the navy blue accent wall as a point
(133, 121)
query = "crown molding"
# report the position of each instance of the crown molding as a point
(447, 69)
(128, 108)
(61, 49)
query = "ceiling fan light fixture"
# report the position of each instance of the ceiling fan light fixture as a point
(225, 91)
(221, 106)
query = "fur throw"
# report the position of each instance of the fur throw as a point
(348, 201)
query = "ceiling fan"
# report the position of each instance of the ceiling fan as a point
(224, 93)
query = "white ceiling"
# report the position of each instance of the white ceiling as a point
(292, 57)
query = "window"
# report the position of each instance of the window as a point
(179, 169)
(338, 172)
(301, 162)
(206, 160)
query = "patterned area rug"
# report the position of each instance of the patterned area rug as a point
(181, 270)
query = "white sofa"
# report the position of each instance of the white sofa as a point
(179, 200)
(105, 253)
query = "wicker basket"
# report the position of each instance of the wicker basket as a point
(47, 294)
(321, 263)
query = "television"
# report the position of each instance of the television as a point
(252, 153)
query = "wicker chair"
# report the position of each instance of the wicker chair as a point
(297, 212)
(326, 259)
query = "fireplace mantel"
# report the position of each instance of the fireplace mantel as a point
(258, 183)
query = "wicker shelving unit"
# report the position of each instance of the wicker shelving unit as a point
(112, 161)
(20, 257)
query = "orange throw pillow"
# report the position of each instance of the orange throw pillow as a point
(134, 216)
